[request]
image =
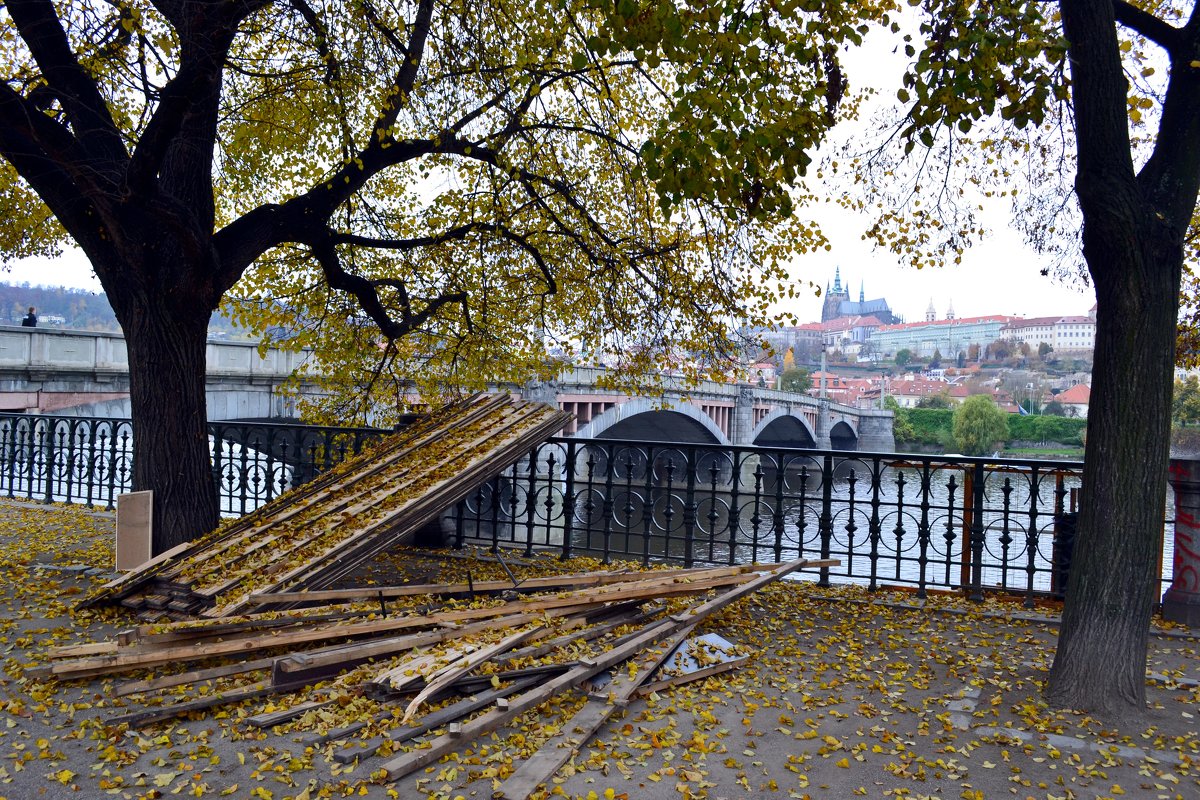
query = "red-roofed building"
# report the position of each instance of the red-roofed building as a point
(1075, 400)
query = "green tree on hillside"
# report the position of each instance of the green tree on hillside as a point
(796, 379)
(902, 428)
(939, 400)
(904, 357)
(1185, 402)
(979, 426)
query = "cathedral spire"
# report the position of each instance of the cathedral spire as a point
(862, 298)
(837, 281)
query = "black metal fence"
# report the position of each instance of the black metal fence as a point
(912, 520)
(89, 460)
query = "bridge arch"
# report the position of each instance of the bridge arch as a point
(843, 436)
(783, 428)
(646, 420)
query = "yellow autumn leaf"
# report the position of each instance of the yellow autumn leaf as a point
(844, 763)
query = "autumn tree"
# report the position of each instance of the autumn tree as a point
(978, 426)
(795, 379)
(427, 191)
(1185, 402)
(1090, 111)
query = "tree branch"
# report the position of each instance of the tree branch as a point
(52, 161)
(39, 27)
(365, 292)
(1156, 30)
(406, 77)
(457, 233)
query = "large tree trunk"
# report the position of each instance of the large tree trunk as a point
(170, 434)
(1100, 664)
(1133, 226)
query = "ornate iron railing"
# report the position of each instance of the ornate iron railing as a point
(89, 460)
(913, 520)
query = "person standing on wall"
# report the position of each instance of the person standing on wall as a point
(30, 320)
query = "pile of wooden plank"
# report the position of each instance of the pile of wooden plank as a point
(322, 531)
(485, 662)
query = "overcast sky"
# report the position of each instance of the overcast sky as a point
(1000, 275)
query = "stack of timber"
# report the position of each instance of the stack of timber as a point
(484, 663)
(320, 532)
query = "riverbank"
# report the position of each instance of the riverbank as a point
(845, 694)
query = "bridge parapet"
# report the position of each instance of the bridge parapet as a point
(87, 372)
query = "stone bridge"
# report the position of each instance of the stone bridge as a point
(715, 413)
(86, 373)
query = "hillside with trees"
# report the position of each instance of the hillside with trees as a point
(57, 307)
(62, 307)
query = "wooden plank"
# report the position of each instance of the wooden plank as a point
(577, 731)
(435, 684)
(578, 580)
(689, 677)
(170, 560)
(486, 445)
(192, 676)
(403, 765)
(435, 589)
(430, 500)
(134, 658)
(376, 460)
(135, 518)
(273, 718)
(148, 716)
(435, 719)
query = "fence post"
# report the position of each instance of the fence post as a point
(569, 500)
(826, 519)
(976, 591)
(691, 464)
(48, 463)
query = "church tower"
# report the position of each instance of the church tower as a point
(931, 312)
(832, 307)
(950, 311)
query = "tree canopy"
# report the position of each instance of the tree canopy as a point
(1085, 115)
(979, 425)
(432, 193)
(796, 379)
(465, 191)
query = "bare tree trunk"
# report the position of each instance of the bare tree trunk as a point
(1133, 244)
(170, 437)
(1100, 664)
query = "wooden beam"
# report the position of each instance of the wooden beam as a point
(408, 762)
(577, 731)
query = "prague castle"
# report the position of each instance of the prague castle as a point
(838, 304)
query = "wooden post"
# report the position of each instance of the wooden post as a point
(135, 515)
